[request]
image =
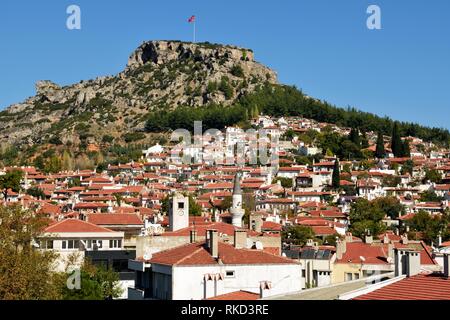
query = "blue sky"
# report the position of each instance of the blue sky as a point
(321, 46)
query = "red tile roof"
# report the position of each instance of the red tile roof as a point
(323, 231)
(373, 254)
(73, 225)
(198, 254)
(202, 226)
(114, 219)
(420, 287)
(237, 295)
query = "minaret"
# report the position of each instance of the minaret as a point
(236, 209)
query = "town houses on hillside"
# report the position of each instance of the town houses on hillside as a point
(222, 226)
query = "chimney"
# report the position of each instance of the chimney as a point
(341, 248)
(264, 289)
(212, 242)
(391, 254)
(349, 237)
(407, 262)
(447, 265)
(193, 236)
(412, 263)
(369, 239)
(404, 239)
(240, 239)
(256, 222)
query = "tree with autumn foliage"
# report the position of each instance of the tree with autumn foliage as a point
(25, 273)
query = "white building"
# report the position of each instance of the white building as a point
(202, 270)
(74, 240)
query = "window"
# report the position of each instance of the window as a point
(97, 244)
(48, 244)
(69, 244)
(356, 276)
(229, 274)
(180, 205)
(348, 276)
(115, 243)
(45, 244)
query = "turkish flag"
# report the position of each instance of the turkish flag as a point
(191, 19)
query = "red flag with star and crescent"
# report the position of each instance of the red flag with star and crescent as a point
(191, 19)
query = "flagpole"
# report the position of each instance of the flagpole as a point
(194, 29)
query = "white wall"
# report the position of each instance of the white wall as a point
(188, 282)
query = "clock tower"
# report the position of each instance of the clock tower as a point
(178, 212)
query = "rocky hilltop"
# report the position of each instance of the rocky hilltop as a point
(160, 75)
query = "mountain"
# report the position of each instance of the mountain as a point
(158, 90)
(160, 75)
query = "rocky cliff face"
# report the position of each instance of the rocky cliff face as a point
(160, 75)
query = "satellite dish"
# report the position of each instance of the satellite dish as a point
(362, 258)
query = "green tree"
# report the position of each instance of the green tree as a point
(429, 226)
(225, 204)
(97, 283)
(336, 177)
(396, 141)
(285, 182)
(194, 208)
(430, 196)
(432, 175)
(366, 215)
(379, 151)
(405, 150)
(36, 192)
(10, 180)
(391, 181)
(297, 234)
(25, 273)
(53, 165)
(354, 137)
(391, 206)
(364, 141)
(407, 167)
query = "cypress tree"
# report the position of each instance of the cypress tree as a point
(336, 178)
(380, 152)
(396, 143)
(406, 152)
(364, 141)
(354, 137)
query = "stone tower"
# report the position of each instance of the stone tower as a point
(236, 209)
(178, 212)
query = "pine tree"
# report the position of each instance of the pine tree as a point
(396, 142)
(380, 152)
(336, 178)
